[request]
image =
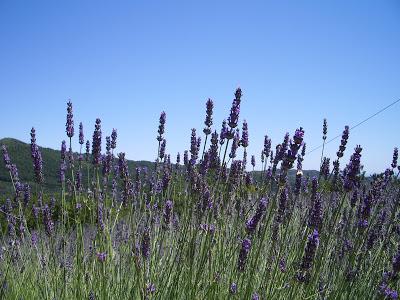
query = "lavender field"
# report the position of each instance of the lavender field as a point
(200, 224)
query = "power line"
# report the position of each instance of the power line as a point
(358, 124)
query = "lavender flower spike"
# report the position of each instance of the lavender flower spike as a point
(209, 121)
(81, 136)
(96, 144)
(161, 126)
(245, 135)
(251, 224)
(70, 122)
(235, 110)
(395, 157)
(244, 251)
(114, 139)
(343, 142)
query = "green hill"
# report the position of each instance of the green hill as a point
(20, 154)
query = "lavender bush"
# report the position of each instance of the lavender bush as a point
(207, 229)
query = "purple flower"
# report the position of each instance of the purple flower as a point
(194, 150)
(178, 159)
(235, 110)
(6, 158)
(162, 148)
(87, 150)
(101, 256)
(34, 238)
(47, 220)
(96, 144)
(235, 145)
(213, 152)
(81, 136)
(161, 126)
(291, 154)
(108, 144)
(343, 142)
(253, 161)
(255, 296)
(70, 122)
(245, 135)
(251, 224)
(324, 170)
(315, 217)
(352, 170)
(209, 112)
(324, 130)
(282, 206)
(244, 251)
(150, 288)
(233, 288)
(395, 157)
(27, 194)
(37, 158)
(167, 212)
(114, 139)
(309, 253)
(267, 146)
(78, 181)
(145, 247)
(224, 133)
(387, 292)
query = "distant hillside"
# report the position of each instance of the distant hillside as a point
(20, 154)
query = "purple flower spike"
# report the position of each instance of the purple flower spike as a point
(267, 146)
(235, 145)
(162, 148)
(145, 247)
(343, 142)
(244, 251)
(87, 151)
(70, 122)
(47, 220)
(37, 158)
(114, 139)
(161, 126)
(245, 135)
(101, 256)
(251, 224)
(395, 157)
(150, 288)
(309, 253)
(352, 170)
(81, 136)
(233, 288)
(255, 296)
(194, 149)
(209, 121)
(167, 212)
(96, 144)
(224, 133)
(235, 110)
(324, 130)
(6, 158)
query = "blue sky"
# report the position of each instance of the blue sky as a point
(297, 62)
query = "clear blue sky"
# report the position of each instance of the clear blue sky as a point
(126, 61)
